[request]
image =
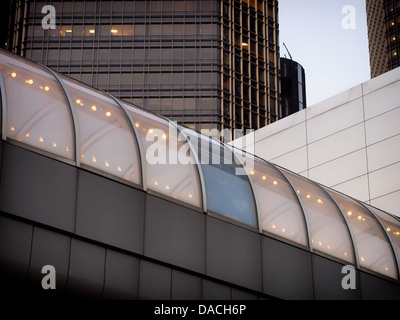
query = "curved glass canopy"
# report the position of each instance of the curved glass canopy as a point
(38, 113)
(374, 250)
(328, 229)
(228, 189)
(105, 139)
(169, 170)
(280, 210)
(83, 126)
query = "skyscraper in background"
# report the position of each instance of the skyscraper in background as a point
(206, 64)
(293, 87)
(383, 19)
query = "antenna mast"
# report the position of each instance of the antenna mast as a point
(288, 51)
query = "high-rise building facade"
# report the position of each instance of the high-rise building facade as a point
(206, 64)
(293, 87)
(383, 19)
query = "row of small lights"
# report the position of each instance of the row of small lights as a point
(108, 114)
(91, 31)
(93, 107)
(80, 103)
(362, 259)
(283, 230)
(54, 144)
(361, 218)
(30, 82)
(275, 183)
(319, 201)
(167, 187)
(45, 88)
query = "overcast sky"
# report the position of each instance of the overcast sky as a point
(332, 46)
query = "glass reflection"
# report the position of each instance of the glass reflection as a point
(227, 187)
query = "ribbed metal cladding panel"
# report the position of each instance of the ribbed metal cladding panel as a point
(185, 286)
(15, 249)
(1, 156)
(38, 188)
(233, 254)
(49, 248)
(174, 234)
(86, 270)
(110, 212)
(121, 278)
(374, 288)
(287, 272)
(154, 281)
(215, 291)
(327, 278)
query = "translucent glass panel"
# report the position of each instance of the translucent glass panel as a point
(170, 167)
(328, 229)
(38, 113)
(280, 210)
(392, 227)
(106, 138)
(228, 189)
(373, 248)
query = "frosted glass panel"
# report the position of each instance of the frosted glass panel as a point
(37, 109)
(280, 210)
(329, 232)
(107, 140)
(373, 248)
(170, 167)
(228, 193)
(392, 227)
